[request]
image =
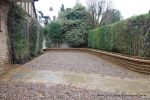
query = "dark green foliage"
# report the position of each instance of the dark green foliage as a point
(19, 46)
(78, 12)
(74, 26)
(76, 37)
(53, 33)
(131, 36)
(35, 38)
(23, 44)
(41, 39)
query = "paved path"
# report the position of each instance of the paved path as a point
(82, 72)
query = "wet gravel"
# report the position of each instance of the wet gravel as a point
(80, 62)
(68, 61)
(39, 91)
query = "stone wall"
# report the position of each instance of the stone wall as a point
(4, 58)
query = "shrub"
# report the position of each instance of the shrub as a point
(76, 37)
(74, 24)
(53, 34)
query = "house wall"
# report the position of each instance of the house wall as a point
(4, 58)
(28, 7)
(4, 38)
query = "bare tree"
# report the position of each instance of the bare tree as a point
(96, 9)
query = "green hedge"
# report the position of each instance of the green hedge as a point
(131, 36)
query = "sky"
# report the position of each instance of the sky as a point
(127, 8)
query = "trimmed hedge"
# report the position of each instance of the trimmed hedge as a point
(131, 36)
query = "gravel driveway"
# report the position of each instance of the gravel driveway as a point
(80, 62)
(66, 61)
(32, 91)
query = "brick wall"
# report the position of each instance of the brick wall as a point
(4, 59)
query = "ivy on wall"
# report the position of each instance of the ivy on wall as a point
(19, 45)
(24, 44)
(36, 37)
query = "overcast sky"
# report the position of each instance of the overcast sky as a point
(127, 7)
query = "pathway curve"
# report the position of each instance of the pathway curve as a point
(73, 76)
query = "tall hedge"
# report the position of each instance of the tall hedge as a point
(131, 36)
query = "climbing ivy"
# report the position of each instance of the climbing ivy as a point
(19, 45)
(24, 44)
(36, 37)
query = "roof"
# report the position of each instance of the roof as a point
(46, 17)
(41, 13)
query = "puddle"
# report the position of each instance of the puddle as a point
(89, 81)
(19, 76)
(74, 78)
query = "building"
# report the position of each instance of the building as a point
(4, 58)
(47, 19)
(40, 18)
(5, 5)
(44, 20)
(29, 7)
